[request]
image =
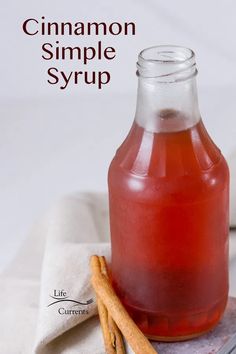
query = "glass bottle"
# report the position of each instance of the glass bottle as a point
(168, 199)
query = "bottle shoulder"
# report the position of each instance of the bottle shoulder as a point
(185, 163)
(184, 189)
(150, 153)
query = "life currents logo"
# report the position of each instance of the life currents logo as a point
(66, 305)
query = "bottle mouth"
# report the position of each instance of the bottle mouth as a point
(167, 63)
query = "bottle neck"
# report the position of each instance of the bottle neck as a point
(167, 91)
(167, 107)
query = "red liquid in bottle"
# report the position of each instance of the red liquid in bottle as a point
(169, 230)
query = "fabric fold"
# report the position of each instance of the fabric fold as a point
(54, 262)
(66, 297)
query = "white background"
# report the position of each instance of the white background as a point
(54, 142)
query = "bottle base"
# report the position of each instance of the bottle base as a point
(178, 338)
(178, 328)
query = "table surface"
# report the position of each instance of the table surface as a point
(209, 343)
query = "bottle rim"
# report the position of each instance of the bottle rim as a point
(167, 63)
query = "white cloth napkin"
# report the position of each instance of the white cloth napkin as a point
(58, 248)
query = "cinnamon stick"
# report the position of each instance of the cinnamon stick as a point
(136, 339)
(103, 315)
(111, 334)
(116, 336)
